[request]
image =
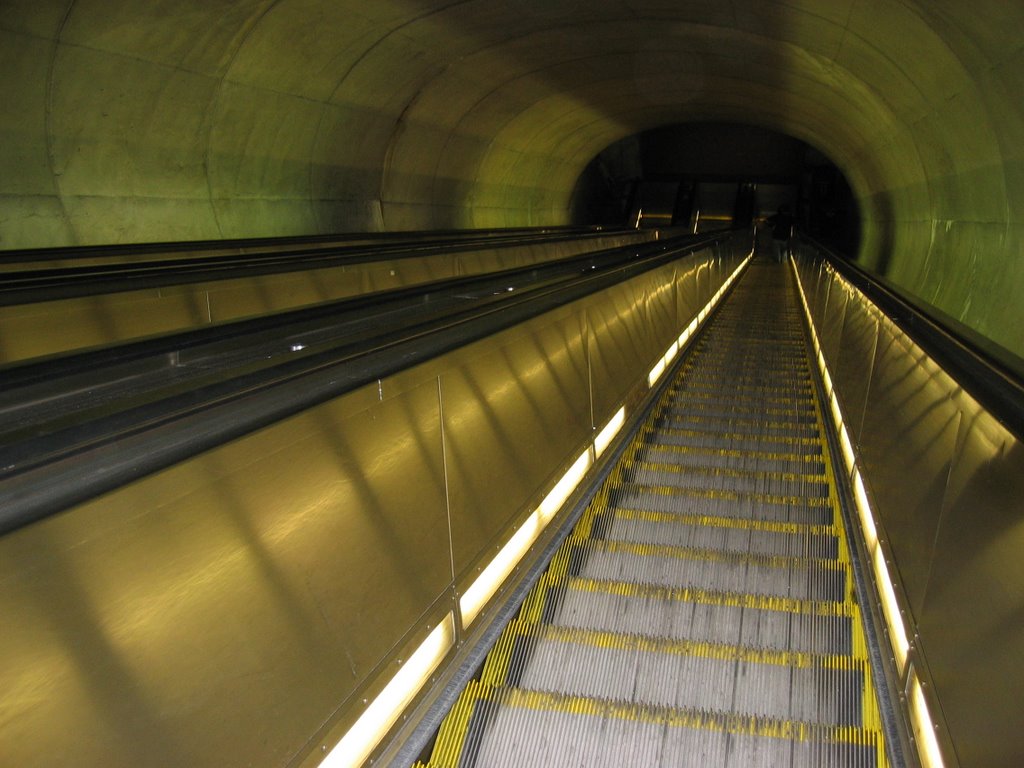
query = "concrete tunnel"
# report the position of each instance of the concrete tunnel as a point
(178, 121)
(127, 122)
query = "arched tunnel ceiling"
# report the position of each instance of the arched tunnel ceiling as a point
(185, 119)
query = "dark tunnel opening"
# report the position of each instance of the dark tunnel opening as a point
(708, 175)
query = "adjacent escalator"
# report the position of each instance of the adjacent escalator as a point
(703, 610)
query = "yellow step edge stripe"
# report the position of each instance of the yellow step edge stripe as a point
(753, 474)
(678, 647)
(709, 555)
(809, 428)
(738, 724)
(718, 521)
(708, 597)
(737, 397)
(738, 454)
(813, 441)
(721, 495)
(455, 727)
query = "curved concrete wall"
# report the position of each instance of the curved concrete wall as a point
(161, 120)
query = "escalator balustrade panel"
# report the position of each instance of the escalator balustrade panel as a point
(702, 611)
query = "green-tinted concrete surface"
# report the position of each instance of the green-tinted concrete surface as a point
(129, 120)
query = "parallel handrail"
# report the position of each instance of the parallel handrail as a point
(991, 374)
(75, 252)
(44, 475)
(23, 286)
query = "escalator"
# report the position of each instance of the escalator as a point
(703, 611)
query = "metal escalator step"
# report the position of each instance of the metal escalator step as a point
(723, 478)
(731, 411)
(742, 441)
(731, 458)
(703, 569)
(697, 615)
(641, 527)
(751, 398)
(723, 504)
(737, 424)
(681, 673)
(513, 727)
(793, 385)
(721, 494)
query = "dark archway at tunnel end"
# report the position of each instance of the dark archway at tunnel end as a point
(711, 174)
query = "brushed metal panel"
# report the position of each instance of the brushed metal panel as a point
(830, 326)
(687, 298)
(219, 612)
(661, 310)
(909, 435)
(852, 375)
(620, 345)
(820, 281)
(34, 330)
(972, 623)
(516, 411)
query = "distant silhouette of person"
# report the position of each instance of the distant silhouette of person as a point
(782, 229)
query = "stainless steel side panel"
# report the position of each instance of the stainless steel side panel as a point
(852, 374)
(516, 411)
(830, 326)
(217, 613)
(620, 347)
(972, 620)
(910, 426)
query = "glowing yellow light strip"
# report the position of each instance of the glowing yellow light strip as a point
(924, 731)
(361, 739)
(611, 429)
(491, 578)
(564, 487)
(883, 582)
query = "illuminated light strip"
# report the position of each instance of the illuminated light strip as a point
(883, 582)
(565, 486)
(361, 739)
(891, 609)
(491, 578)
(611, 429)
(924, 731)
(662, 365)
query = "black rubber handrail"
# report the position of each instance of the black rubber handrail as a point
(74, 252)
(59, 470)
(991, 374)
(39, 285)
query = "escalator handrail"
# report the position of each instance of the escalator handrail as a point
(131, 444)
(989, 373)
(74, 252)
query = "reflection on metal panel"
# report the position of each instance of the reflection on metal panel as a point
(619, 345)
(830, 328)
(910, 427)
(972, 631)
(515, 409)
(852, 374)
(212, 613)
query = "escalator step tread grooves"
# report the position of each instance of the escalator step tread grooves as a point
(701, 612)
